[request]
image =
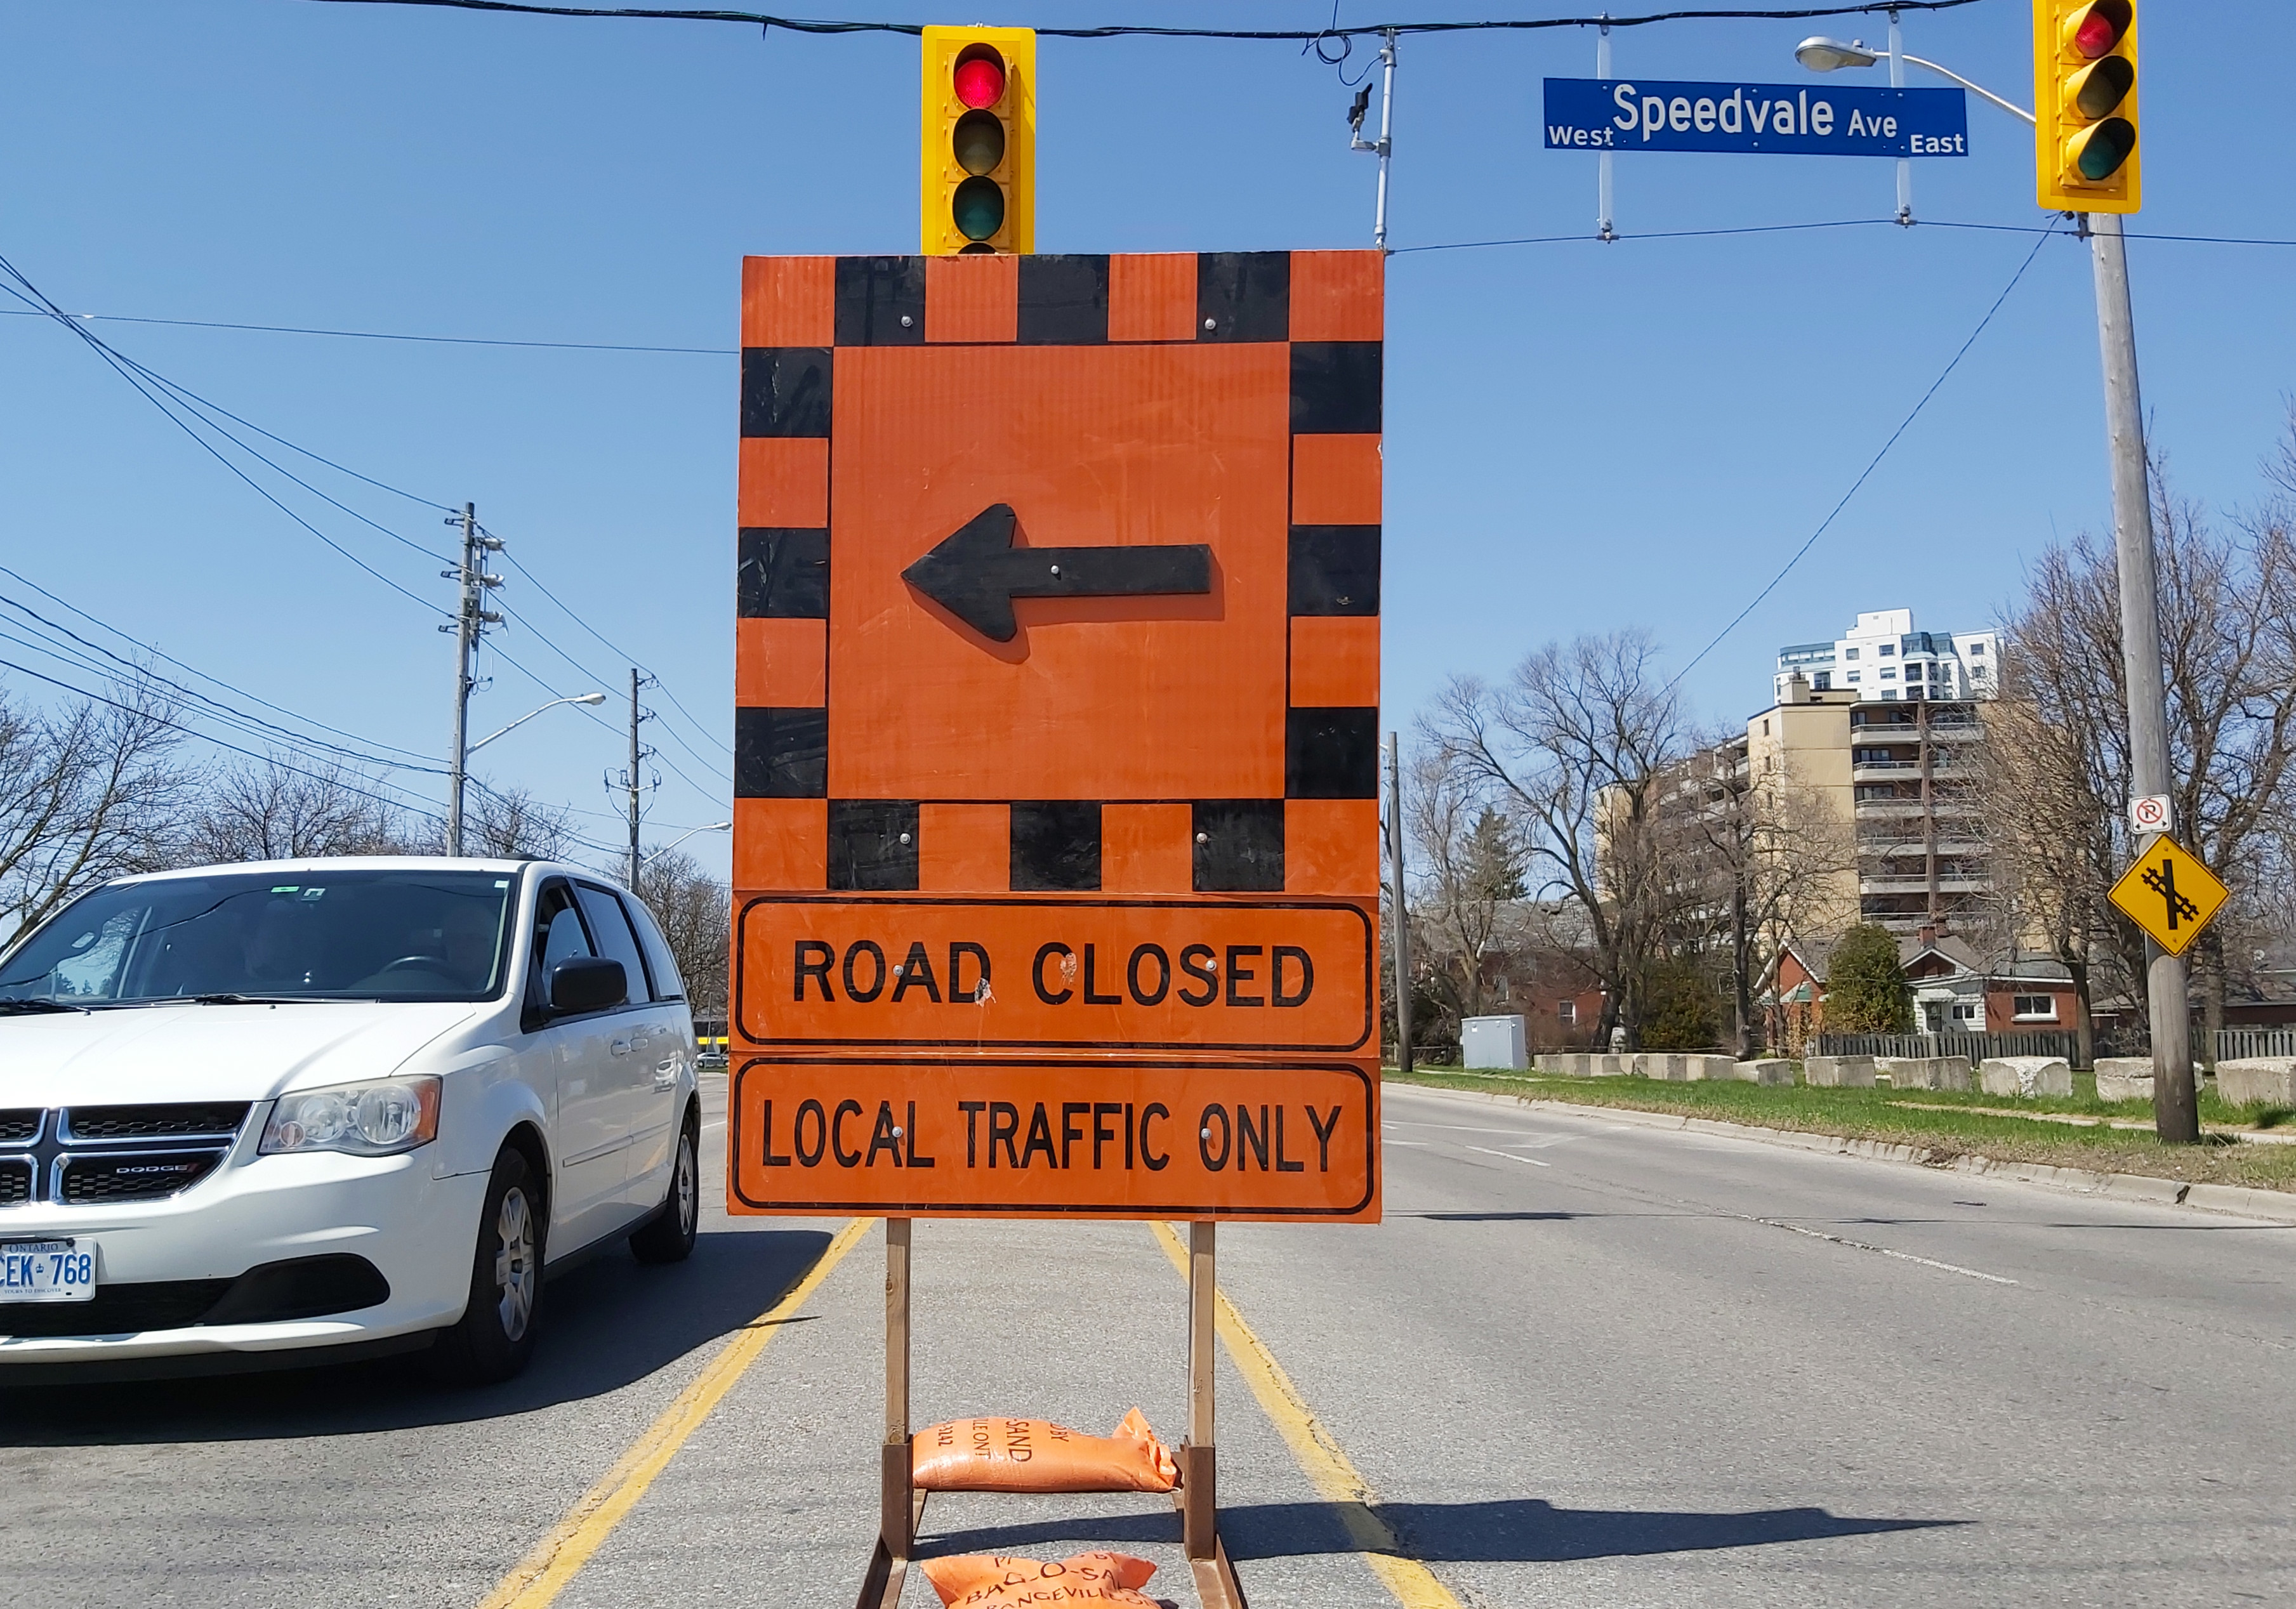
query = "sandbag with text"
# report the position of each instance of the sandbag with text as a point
(1036, 1455)
(981, 1580)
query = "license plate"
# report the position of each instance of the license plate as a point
(45, 1271)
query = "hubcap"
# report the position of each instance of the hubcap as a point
(514, 1270)
(688, 1190)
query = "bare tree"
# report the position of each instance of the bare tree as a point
(278, 811)
(88, 793)
(2058, 789)
(696, 913)
(1574, 747)
(1469, 868)
(506, 824)
(1751, 861)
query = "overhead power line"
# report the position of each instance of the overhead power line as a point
(384, 335)
(31, 294)
(144, 670)
(804, 25)
(175, 725)
(1873, 464)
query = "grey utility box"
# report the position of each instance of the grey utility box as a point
(1494, 1044)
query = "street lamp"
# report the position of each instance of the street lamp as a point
(522, 720)
(1821, 54)
(689, 832)
(461, 771)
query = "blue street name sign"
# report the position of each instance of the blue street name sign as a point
(1774, 119)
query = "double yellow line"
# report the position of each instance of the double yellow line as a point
(554, 1561)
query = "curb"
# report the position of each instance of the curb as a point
(2240, 1200)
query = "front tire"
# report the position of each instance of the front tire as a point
(495, 1337)
(668, 1237)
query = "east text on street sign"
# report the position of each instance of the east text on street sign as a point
(2170, 895)
(1768, 119)
(1056, 850)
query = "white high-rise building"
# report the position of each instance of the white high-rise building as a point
(1884, 660)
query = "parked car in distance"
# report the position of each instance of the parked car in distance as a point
(360, 1104)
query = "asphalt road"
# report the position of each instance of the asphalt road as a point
(1583, 1362)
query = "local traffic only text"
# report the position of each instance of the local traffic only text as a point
(950, 1136)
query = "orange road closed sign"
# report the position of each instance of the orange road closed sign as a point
(1056, 824)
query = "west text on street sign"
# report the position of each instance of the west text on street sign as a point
(2170, 895)
(1771, 119)
(1056, 848)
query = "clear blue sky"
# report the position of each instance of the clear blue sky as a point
(1580, 437)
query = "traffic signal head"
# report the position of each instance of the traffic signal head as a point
(2084, 104)
(979, 139)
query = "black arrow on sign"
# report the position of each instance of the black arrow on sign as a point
(976, 572)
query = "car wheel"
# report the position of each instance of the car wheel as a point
(668, 1237)
(495, 1337)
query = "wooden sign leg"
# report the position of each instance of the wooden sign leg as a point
(1216, 1582)
(898, 1508)
(1200, 1481)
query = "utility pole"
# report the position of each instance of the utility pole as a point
(471, 619)
(1402, 916)
(631, 778)
(2176, 1104)
(1384, 146)
(1898, 81)
(1605, 226)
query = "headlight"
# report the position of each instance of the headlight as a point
(378, 1119)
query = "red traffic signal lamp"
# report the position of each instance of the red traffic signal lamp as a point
(979, 144)
(2085, 105)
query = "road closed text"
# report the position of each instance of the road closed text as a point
(972, 1138)
(1037, 974)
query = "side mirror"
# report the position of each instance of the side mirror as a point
(586, 982)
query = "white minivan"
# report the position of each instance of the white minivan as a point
(360, 1104)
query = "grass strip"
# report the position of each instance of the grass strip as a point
(1886, 1116)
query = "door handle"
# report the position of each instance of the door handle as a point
(620, 1046)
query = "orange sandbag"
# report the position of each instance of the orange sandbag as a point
(981, 1581)
(1036, 1455)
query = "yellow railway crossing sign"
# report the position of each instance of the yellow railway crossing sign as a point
(2170, 895)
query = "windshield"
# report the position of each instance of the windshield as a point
(411, 934)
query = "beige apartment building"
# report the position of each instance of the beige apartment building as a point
(1899, 769)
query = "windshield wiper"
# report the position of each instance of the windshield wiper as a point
(26, 1008)
(248, 999)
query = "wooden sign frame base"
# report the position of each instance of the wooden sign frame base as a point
(902, 1506)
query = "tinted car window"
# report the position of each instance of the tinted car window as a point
(563, 939)
(323, 933)
(667, 984)
(611, 929)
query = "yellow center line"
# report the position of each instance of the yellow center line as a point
(1333, 1473)
(543, 1573)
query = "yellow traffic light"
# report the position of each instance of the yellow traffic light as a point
(2085, 105)
(979, 139)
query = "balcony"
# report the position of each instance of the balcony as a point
(1948, 882)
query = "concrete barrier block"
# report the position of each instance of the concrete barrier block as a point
(1838, 1072)
(1665, 1066)
(2257, 1081)
(2025, 1076)
(1768, 1070)
(1607, 1066)
(1924, 1072)
(2124, 1078)
(1697, 1069)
